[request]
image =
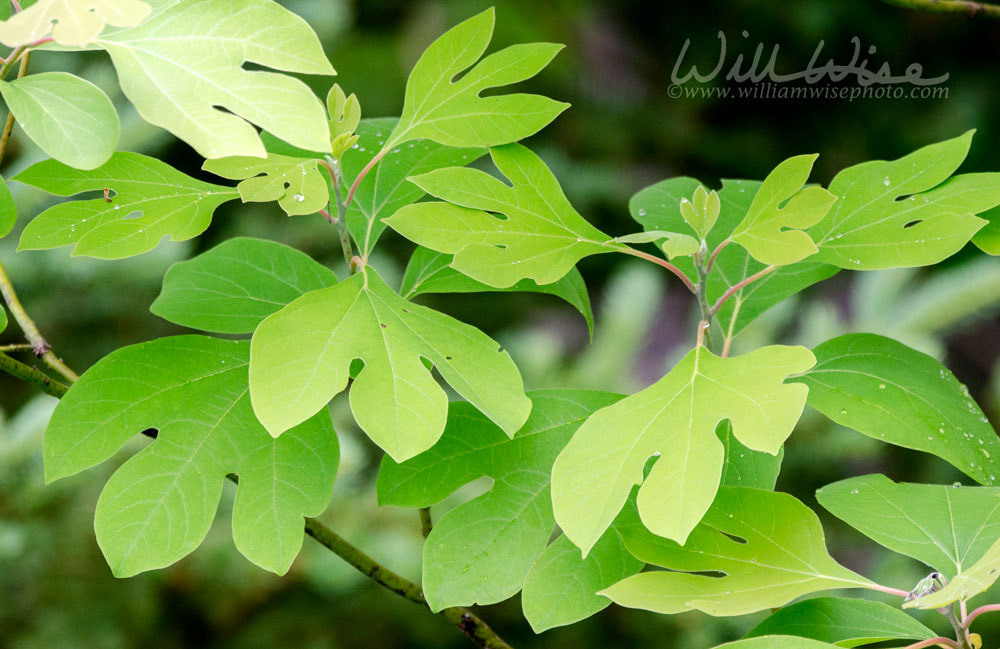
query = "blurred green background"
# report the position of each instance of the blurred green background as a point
(622, 133)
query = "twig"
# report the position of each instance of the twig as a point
(465, 620)
(19, 347)
(967, 7)
(661, 262)
(29, 374)
(337, 179)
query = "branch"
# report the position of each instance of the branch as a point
(29, 374)
(466, 621)
(967, 7)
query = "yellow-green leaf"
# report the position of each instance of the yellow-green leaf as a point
(70, 22)
(296, 183)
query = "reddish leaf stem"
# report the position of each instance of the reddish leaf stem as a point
(661, 262)
(362, 174)
(735, 289)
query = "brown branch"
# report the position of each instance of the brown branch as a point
(965, 7)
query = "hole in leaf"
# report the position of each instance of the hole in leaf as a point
(913, 223)
(733, 537)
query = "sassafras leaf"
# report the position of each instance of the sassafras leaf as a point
(296, 183)
(8, 209)
(675, 420)
(301, 359)
(501, 234)
(148, 200)
(70, 22)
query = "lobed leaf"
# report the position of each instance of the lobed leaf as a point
(843, 622)
(945, 527)
(907, 212)
(159, 505)
(386, 189)
(744, 467)
(768, 546)
(773, 229)
(301, 359)
(151, 201)
(235, 285)
(70, 22)
(890, 392)
(183, 71)
(296, 183)
(677, 417)
(977, 578)
(452, 112)
(431, 272)
(501, 234)
(69, 118)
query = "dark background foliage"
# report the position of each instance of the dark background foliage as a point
(624, 131)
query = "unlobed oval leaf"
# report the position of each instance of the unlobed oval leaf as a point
(439, 108)
(906, 212)
(501, 234)
(159, 505)
(675, 420)
(183, 71)
(301, 359)
(69, 118)
(150, 201)
(890, 392)
(843, 622)
(235, 285)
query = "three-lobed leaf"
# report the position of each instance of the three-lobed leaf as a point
(183, 71)
(843, 622)
(69, 118)
(295, 183)
(501, 234)
(452, 112)
(301, 358)
(675, 420)
(773, 229)
(905, 212)
(769, 547)
(235, 285)
(946, 527)
(70, 22)
(159, 505)
(890, 392)
(150, 201)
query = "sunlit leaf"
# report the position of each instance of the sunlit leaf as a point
(296, 183)
(235, 285)
(988, 239)
(69, 118)
(744, 467)
(148, 200)
(183, 71)
(70, 22)
(772, 230)
(907, 212)
(500, 233)
(769, 547)
(159, 505)
(890, 392)
(439, 108)
(431, 272)
(302, 355)
(675, 419)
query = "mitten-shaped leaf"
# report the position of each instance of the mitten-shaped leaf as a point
(429, 271)
(843, 622)
(890, 392)
(235, 285)
(500, 233)
(183, 70)
(159, 505)
(70, 22)
(296, 183)
(482, 551)
(386, 188)
(675, 420)
(658, 208)
(772, 230)
(945, 527)
(969, 583)
(69, 118)
(301, 358)
(439, 108)
(907, 212)
(768, 546)
(147, 200)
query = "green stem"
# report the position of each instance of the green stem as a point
(967, 7)
(29, 374)
(333, 168)
(9, 124)
(465, 620)
(701, 291)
